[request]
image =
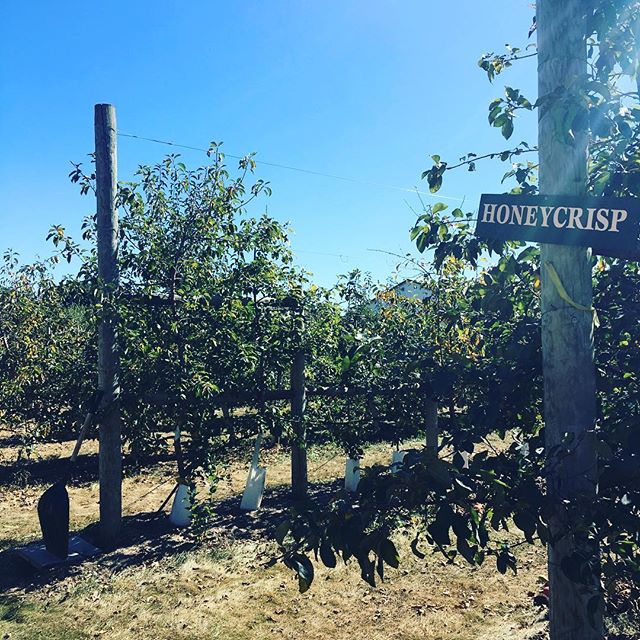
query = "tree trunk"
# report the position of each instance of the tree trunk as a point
(567, 333)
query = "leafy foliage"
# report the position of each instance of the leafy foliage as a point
(210, 306)
(496, 386)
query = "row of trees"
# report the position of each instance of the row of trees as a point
(471, 513)
(209, 304)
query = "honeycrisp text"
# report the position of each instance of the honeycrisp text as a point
(611, 226)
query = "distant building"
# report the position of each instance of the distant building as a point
(411, 289)
(408, 288)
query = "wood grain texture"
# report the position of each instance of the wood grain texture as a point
(567, 333)
(431, 427)
(108, 360)
(299, 478)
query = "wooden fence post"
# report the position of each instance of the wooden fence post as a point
(567, 332)
(299, 478)
(110, 458)
(431, 427)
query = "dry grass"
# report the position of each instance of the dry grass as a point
(224, 591)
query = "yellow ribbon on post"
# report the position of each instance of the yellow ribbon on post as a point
(562, 292)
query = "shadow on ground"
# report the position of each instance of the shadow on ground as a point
(148, 538)
(49, 470)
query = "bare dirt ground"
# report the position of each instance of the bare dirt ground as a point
(160, 584)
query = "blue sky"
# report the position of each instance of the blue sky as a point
(361, 89)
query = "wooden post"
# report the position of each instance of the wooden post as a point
(431, 427)
(299, 479)
(110, 465)
(567, 332)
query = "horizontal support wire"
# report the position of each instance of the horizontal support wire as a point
(286, 167)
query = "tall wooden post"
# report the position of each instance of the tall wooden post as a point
(567, 332)
(299, 479)
(110, 465)
(431, 427)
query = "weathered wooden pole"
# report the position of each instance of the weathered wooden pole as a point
(567, 331)
(299, 479)
(431, 427)
(110, 458)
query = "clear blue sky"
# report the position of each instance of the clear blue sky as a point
(363, 89)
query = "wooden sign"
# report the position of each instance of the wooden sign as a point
(610, 226)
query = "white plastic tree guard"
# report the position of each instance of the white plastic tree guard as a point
(254, 489)
(352, 475)
(397, 458)
(180, 515)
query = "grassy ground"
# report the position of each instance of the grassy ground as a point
(160, 585)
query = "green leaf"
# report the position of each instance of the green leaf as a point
(435, 184)
(367, 569)
(438, 207)
(422, 242)
(438, 470)
(500, 120)
(414, 549)
(326, 555)
(507, 128)
(466, 551)
(483, 535)
(439, 530)
(524, 103)
(512, 94)
(526, 522)
(281, 531)
(389, 553)
(624, 128)
(493, 114)
(380, 568)
(303, 567)
(434, 178)
(543, 532)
